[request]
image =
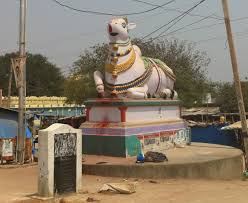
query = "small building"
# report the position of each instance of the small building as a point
(201, 114)
(48, 106)
(9, 133)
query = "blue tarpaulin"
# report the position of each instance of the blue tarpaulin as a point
(214, 135)
(28, 133)
(9, 129)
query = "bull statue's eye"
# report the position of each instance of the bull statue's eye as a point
(124, 25)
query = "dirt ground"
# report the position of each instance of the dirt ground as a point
(20, 182)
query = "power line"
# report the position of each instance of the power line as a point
(176, 10)
(109, 14)
(200, 28)
(147, 3)
(239, 34)
(196, 15)
(177, 19)
(190, 14)
(172, 32)
(198, 21)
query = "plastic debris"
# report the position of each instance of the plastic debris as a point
(140, 158)
(153, 181)
(122, 188)
(92, 199)
(246, 174)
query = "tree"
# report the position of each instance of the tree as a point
(43, 77)
(80, 85)
(226, 97)
(187, 63)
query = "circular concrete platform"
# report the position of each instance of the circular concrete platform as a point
(197, 161)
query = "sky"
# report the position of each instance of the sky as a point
(62, 34)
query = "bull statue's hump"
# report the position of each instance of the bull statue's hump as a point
(128, 74)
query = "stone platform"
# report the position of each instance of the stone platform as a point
(198, 161)
(122, 127)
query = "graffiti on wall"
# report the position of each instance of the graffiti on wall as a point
(165, 140)
(6, 149)
(65, 144)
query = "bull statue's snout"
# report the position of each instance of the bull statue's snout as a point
(113, 30)
(117, 30)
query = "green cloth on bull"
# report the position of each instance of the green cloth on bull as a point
(159, 63)
(146, 61)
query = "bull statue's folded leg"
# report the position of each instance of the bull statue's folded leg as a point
(137, 92)
(175, 95)
(168, 94)
(98, 78)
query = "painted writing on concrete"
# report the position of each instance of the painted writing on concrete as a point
(65, 144)
(165, 140)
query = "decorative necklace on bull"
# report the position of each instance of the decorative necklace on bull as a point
(112, 65)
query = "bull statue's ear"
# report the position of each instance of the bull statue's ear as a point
(131, 26)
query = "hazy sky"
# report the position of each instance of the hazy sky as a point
(62, 34)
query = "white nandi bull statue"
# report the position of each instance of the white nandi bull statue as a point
(127, 74)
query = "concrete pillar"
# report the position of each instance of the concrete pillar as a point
(46, 156)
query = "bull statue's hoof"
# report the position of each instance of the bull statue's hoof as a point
(114, 95)
(101, 94)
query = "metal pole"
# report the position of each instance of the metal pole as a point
(236, 78)
(9, 86)
(1, 97)
(21, 90)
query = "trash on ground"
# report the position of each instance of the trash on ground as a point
(83, 191)
(153, 181)
(140, 158)
(73, 199)
(92, 199)
(155, 157)
(246, 174)
(102, 162)
(122, 188)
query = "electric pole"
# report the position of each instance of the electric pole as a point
(22, 83)
(9, 86)
(236, 78)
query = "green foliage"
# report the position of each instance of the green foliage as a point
(226, 97)
(80, 85)
(4, 72)
(78, 88)
(187, 63)
(43, 77)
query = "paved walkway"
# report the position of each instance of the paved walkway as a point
(196, 152)
(199, 160)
